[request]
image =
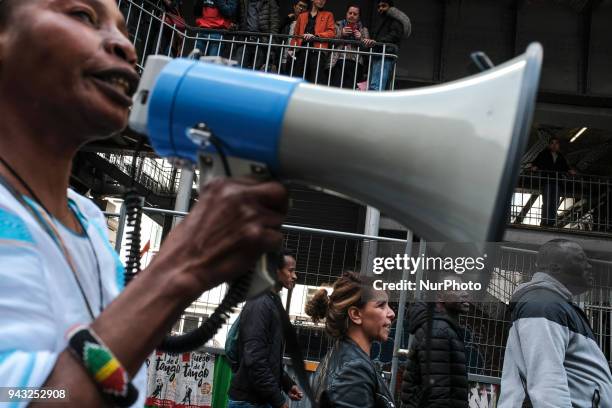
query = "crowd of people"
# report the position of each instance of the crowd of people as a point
(552, 358)
(310, 26)
(68, 323)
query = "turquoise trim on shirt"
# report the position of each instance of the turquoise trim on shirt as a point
(119, 268)
(4, 355)
(25, 379)
(14, 228)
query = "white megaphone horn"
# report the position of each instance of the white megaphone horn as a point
(442, 160)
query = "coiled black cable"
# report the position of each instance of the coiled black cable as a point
(133, 209)
(198, 337)
(236, 293)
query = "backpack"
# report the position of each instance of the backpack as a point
(232, 351)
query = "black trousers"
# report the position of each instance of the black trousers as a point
(311, 64)
(353, 74)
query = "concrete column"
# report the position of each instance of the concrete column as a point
(183, 195)
(369, 249)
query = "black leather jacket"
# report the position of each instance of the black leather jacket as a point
(260, 377)
(346, 378)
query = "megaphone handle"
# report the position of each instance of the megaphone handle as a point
(214, 165)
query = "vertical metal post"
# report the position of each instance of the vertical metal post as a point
(267, 54)
(183, 195)
(120, 228)
(370, 249)
(399, 326)
(382, 86)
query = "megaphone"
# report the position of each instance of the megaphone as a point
(442, 160)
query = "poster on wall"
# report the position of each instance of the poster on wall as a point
(483, 395)
(180, 380)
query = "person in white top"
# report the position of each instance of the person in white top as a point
(67, 76)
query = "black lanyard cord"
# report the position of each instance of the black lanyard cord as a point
(23, 183)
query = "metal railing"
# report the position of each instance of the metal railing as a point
(157, 175)
(322, 255)
(341, 63)
(563, 201)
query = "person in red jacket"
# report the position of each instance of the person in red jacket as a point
(216, 16)
(310, 26)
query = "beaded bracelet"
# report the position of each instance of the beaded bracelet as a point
(106, 371)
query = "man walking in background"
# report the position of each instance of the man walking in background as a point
(446, 369)
(552, 358)
(260, 379)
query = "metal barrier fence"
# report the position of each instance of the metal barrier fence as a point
(560, 200)
(340, 63)
(322, 255)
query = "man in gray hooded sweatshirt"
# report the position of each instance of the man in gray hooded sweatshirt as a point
(552, 358)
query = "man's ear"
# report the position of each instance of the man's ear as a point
(355, 315)
(554, 267)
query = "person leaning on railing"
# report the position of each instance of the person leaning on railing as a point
(392, 28)
(66, 321)
(173, 20)
(215, 15)
(257, 16)
(299, 7)
(288, 28)
(317, 23)
(551, 160)
(347, 68)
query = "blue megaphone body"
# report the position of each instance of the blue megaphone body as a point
(243, 109)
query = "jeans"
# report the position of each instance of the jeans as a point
(210, 41)
(377, 65)
(245, 404)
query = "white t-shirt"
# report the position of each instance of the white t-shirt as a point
(39, 296)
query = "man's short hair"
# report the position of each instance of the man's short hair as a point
(553, 138)
(357, 6)
(281, 258)
(549, 251)
(389, 2)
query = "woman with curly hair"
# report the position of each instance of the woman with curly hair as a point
(355, 316)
